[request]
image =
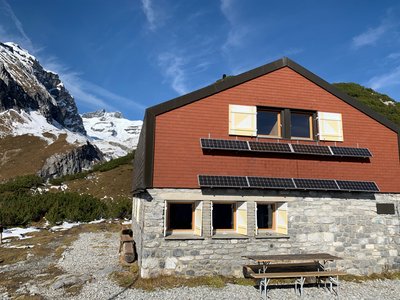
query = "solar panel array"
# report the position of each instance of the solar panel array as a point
(303, 149)
(223, 181)
(224, 144)
(265, 182)
(311, 149)
(316, 184)
(366, 186)
(270, 147)
(212, 181)
(351, 152)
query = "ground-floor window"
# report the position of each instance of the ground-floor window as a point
(271, 217)
(265, 216)
(224, 216)
(229, 218)
(183, 218)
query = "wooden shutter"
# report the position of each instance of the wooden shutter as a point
(165, 217)
(242, 120)
(282, 218)
(211, 219)
(330, 126)
(198, 217)
(241, 212)
(255, 217)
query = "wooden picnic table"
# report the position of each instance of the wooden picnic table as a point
(293, 258)
(299, 266)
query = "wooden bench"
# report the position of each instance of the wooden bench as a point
(286, 271)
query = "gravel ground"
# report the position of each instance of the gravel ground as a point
(92, 257)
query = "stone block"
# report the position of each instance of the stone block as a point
(177, 252)
(170, 263)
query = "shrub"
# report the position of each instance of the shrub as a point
(114, 163)
(74, 207)
(120, 208)
(21, 183)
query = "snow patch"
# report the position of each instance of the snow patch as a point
(19, 232)
(35, 124)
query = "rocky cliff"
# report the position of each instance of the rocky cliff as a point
(75, 161)
(26, 86)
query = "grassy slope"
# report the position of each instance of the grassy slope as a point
(25, 154)
(372, 99)
(113, 183)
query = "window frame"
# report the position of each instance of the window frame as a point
(234, 219)
(170, 231)
(274, 216)
(285, 126)
(279, 120)
(311, 121)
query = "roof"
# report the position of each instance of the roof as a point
(144, 157)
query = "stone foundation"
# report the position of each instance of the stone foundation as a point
(342, 224)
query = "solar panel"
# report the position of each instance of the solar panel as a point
(265, 182)
(223, 144)
(222, 181)
(270, 147)
(360, 186)
(311, 149)
(315, 184)
(352, 152)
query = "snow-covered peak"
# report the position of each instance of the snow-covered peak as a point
(27, 86)
(17, 123)
(21, 53)
(114, 135)
(102, 113)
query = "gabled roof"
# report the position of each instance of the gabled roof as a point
(144, 157)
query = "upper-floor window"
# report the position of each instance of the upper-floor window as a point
(301, 125)
(285, 123)
(269, 122)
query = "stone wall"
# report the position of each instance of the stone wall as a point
(342, 224)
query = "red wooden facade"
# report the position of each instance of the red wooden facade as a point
(178, 158)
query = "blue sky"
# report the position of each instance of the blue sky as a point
(128, 55)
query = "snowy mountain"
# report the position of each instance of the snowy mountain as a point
(114, 135)
(26, 86)
(41, 130)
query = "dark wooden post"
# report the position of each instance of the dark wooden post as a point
(1, 234)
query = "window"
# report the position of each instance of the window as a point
(266, 216)
(301, 125)
(269, 123)
(183, 218)
(224, 216)
(285, 123)
(180, 216)
(229, 218)
(271, 217)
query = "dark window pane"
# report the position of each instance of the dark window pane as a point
(264, 216)
(223, 216)
(180, 216)
(300, 125)
(268, 123)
